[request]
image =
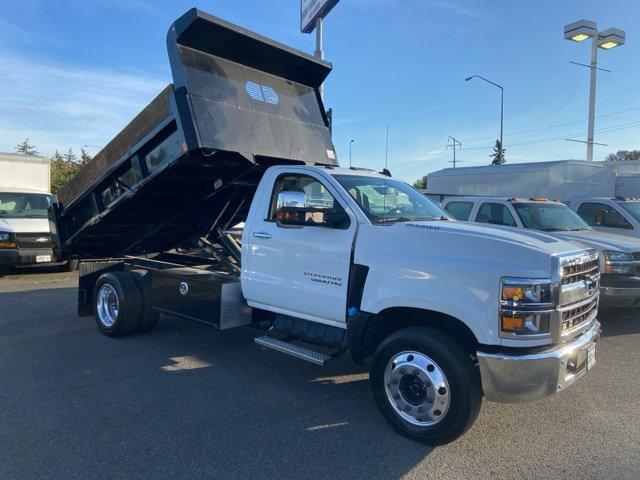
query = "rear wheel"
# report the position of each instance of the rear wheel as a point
(426, 385)
(117, 304)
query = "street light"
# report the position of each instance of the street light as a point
(350, 143)
(608, 39)
(501, 108)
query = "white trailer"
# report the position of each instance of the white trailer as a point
(28, 172)
(559, 180)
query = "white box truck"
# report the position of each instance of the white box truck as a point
(330, 260)
(26, 237)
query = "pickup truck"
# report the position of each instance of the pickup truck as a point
(620, 281)
(330, 260)
(612, 215)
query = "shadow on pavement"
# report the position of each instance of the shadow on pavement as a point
(620, 322)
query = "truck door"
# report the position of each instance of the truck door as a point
(296, 256)
(607, 218)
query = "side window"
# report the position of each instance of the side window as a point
(459, 210)
(308, 203)
(496, 214)
(603, 215)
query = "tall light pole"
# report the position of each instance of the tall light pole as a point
(611, 38)
(501, 109)
(350, 143)
(319, 53)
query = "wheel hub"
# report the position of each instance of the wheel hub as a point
(107, 305)
(417, 388)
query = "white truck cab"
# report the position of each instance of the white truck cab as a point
(619, 255)
(612, 215)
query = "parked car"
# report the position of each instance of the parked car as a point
(614, 215)
(619, 255)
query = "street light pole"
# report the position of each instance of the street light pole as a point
(319, 53)
(350, 143)
(610, 38)
(501, 109)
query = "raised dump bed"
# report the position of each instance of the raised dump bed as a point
(189, 163)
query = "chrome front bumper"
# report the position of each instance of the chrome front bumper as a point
(525, 378)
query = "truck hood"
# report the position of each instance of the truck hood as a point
(24, 225)
(602, 240)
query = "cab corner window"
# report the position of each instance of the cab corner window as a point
(302, 201)
(459, 210)
(495, 214)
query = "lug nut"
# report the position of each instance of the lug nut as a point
(437, 412)
(442, 390)
(430, 368)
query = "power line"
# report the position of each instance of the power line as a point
(454, 145)
(554, 126)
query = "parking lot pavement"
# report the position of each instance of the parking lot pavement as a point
(185, 401)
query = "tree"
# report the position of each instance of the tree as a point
(498, 154)
(84, 156)
(63, 168)
(420, 184)
(70, 156)
(623, 155)
(26, 148)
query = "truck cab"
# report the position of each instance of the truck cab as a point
(618, 255)
(25, 233)
(330, 260)
(618, 215)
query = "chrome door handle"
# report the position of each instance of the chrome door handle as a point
(261, 235)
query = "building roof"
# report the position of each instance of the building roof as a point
(20, 157)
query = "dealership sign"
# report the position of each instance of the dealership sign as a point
(311, 10)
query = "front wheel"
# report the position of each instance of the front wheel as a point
(426, 385)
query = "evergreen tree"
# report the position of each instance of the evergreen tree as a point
(26, 148)
(70, 156)
(497, 157)
(84, 156)
(419, 184)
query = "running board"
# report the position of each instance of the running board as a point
(293, 350)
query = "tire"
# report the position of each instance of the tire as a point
(435, 406)
(117, 304)
(148, 315)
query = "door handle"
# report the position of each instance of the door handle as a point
(262, 235)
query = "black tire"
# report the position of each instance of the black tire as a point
(128, 302)
(148, 316)
(463, 378)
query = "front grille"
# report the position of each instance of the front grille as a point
(575, 316)
(34, 240)
(579, 272)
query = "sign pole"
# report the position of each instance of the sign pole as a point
(319, 52)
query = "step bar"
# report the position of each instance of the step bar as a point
(293, 350)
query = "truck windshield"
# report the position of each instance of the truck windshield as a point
(633, 208)
(387, 201)
(549, 217)
(24, 205)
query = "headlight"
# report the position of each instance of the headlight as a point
(6, 240)
(620, 263)
(526, 306)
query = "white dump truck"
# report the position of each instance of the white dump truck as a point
(329, 260)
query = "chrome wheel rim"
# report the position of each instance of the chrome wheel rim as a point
(107, 305)
(417, 389)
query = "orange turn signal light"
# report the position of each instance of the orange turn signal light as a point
(512, 293)
(8, 245)
(512, 324)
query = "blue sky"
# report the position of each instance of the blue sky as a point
(75, 72)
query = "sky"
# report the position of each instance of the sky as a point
(74, 72)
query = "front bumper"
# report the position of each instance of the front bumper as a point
(619, 291)
(19, 257)
(508, 378)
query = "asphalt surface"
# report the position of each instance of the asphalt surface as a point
(185, 401)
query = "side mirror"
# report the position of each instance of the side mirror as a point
(291, 208)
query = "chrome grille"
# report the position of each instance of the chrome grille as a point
(579, 272)
(34, 240)
(573, 316)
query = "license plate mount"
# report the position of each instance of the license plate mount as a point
(43, 258)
